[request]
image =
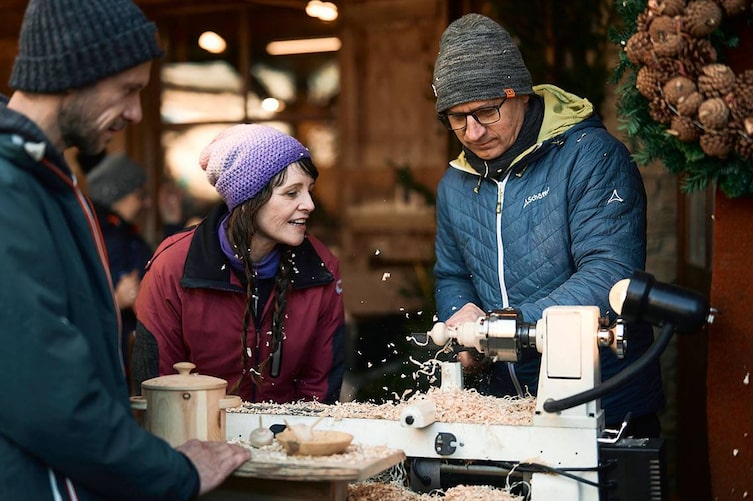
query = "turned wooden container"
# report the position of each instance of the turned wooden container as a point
(186, 405)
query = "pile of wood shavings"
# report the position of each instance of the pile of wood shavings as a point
(375, 491)
(453, 406)
(354, 454)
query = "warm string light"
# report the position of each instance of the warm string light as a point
(324, 11)
(271, 105)
(212, 42)
(303, 46)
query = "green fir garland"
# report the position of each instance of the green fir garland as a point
(649, 139)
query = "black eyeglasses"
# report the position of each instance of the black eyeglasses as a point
(484, 116)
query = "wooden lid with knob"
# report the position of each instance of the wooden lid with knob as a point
(185, 380)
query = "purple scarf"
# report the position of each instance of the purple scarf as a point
(266, 268)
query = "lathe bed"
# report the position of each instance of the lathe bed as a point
(466, 442)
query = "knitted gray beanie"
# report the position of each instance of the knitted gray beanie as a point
(244, 158)
(113, 178)
(67, 44)
(478, 60)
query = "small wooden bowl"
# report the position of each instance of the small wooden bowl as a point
(324, 443)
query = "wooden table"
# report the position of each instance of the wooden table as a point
(311, 480)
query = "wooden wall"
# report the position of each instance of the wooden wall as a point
(730, 342)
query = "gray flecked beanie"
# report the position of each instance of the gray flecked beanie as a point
(113, 178)
(478, 60)
(243, 159)
(67, 44)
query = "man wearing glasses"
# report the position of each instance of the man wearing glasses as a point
(542, 207)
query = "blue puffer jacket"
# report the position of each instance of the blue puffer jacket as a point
(565, 224)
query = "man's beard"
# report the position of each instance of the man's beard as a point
(77, 129)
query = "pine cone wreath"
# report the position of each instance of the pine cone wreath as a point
(702, 18)
(688, 90)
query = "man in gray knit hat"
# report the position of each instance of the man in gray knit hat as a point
(77, 78)
(542, 207)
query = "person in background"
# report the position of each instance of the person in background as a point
(542, 207)
(248, 295)
(117, 189)
(67, 431)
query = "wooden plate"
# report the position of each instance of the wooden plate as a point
(324, 443)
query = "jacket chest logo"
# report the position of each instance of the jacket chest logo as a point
(538, 196)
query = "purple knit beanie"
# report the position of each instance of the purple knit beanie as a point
(242, 159)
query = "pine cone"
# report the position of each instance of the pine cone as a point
(684, 130)
(746, 77)
(695, 54)
(717, 144)
(660, 111)
(713, 114)
(671, 8)
(647, 82)
(642, 21)
(733, 7)
(744, 146)
(638, 48)
(702, 18)
(664, 33)
(717, 80)
(664, 68)
(748, 127)
(688, 106)
(740, 100)
(677, 88)
(669, 46)
(661, 27)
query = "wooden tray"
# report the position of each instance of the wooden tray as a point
(320, 468)
(296, 478)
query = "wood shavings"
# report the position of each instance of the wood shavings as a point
(478, 493)
(275, 453)
(377, 491)
(453, 406)
(469, 406)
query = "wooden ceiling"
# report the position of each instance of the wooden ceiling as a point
(268, 19)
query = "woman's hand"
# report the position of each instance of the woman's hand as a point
(127, 289)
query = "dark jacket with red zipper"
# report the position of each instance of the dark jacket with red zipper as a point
(191, 306)
(127, 251)
(66, 426)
